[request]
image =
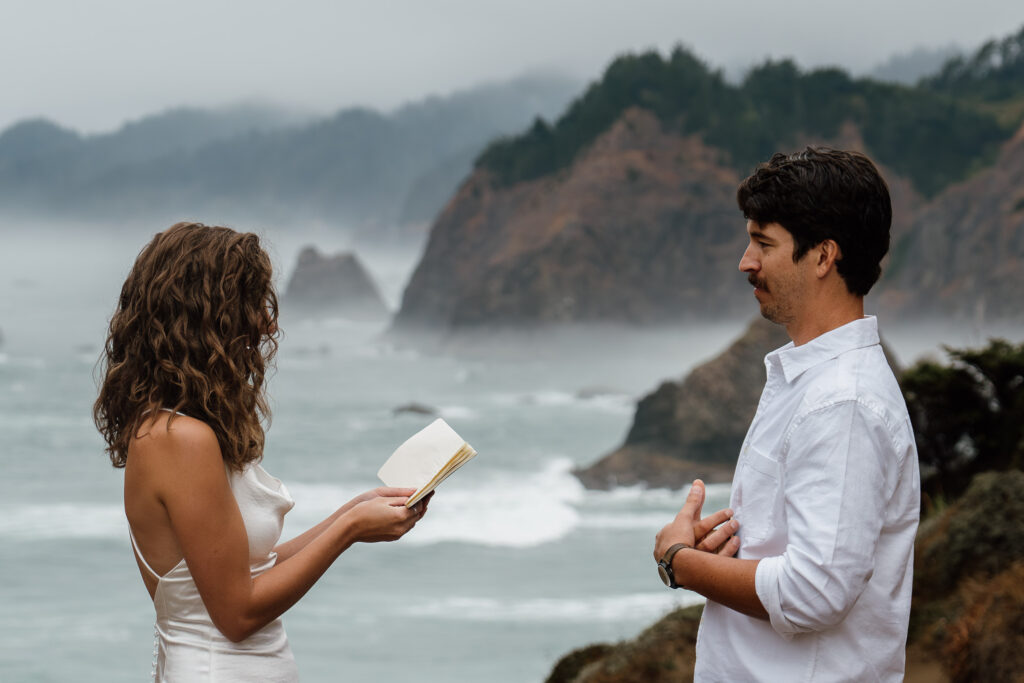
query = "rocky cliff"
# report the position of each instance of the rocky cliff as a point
(642, 228)
(964, 254)
(664, 653)
(622, 210)
(332, 285)
(695, 427)
(635, 231)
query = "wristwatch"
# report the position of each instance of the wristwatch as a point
(665, 565)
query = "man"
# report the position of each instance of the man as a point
(809, 576)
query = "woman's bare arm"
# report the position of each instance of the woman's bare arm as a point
(185, 469)
(289, 548)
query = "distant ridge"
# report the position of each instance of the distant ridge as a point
(357, 167)
(908, 68)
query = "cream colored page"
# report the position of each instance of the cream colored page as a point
(417, 461)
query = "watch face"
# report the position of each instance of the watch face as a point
(664, 575)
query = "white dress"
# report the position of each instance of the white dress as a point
(188, 646)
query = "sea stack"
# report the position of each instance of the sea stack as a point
(693, 428)
(333, 285)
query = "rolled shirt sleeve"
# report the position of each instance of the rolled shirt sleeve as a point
(839, 468)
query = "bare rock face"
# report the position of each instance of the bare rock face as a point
(641, 229)
(635, 231)
(964, 254)
(664, 652)
(694, 428)
(333, 285)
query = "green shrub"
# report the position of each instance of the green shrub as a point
(968, 416)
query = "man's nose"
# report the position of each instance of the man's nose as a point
(748, 264)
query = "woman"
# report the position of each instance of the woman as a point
(181, 409)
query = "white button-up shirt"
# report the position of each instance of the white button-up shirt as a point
(827, 495)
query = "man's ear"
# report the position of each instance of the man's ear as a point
(827, 254)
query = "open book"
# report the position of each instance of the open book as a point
(426, 459)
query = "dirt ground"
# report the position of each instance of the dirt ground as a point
(922, 667)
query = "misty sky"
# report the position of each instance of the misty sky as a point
(93, 65)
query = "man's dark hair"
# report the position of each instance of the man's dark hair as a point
(820, 194)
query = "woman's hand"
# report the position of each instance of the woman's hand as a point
(380, 517)
(379, 492)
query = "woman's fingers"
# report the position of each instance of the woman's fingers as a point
(393, 491)
(386, 518)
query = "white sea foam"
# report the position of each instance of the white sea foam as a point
(518, 509)
(640, 521)
(35, 421)
(638, 606)
(605, 402)
(639, 496)
(509, 510)
(458, 413)
(62, 520)
(385, 349)
(32, 362)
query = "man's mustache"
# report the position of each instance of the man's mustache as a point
(760, 284)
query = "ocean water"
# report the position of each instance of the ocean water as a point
(515, 564)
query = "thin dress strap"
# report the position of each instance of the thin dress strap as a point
(131, 535)
(138, 553)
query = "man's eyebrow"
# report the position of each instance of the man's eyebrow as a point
(757, 234)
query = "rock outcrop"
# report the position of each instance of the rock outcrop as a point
(964, 254)
(333, 285)
(693, 428)
(635, 231)
(414, 408)
(664, 653)
(969, 582)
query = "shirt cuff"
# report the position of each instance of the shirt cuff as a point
(766, 584)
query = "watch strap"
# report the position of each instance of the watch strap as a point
(666, 561)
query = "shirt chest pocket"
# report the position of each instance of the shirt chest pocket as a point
(759, 506)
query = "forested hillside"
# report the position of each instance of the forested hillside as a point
(934, 133)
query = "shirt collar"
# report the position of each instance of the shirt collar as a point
(795, 360)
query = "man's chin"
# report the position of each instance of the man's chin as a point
(771, 315)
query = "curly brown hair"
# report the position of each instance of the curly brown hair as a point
(194, 331)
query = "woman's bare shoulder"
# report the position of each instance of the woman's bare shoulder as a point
(177, 436)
